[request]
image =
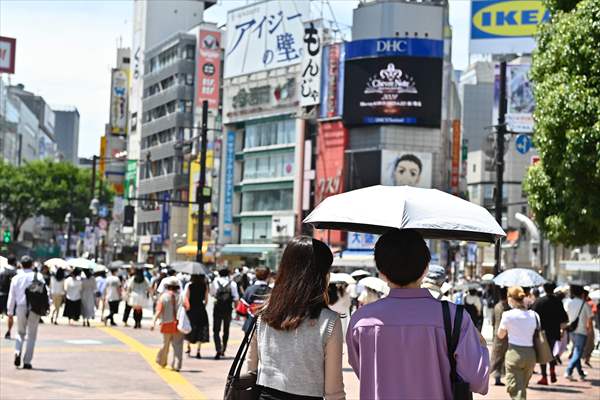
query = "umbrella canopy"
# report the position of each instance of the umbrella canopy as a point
(435, 214)
(82, 263)
(56, 263)
(360, 272)
(375, 284)
(595, 295)
(116, 264)
(190, 267)
(143, 266)
(341, 278)
(99, 268)
(519, 277)
(487, 277)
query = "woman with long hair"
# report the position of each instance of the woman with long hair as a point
(195, 299)
(518, 324)
(138, 289)
(57, 290)
(296, 349)
(88, 299)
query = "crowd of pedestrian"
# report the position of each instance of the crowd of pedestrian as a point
(408, 333)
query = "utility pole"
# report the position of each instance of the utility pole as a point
(200, 197)
(500, 132)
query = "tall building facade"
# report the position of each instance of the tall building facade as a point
(67, 133)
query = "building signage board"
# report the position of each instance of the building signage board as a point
(8, 48)
(130, 179)
(208, 68)
(118, 101)
(265, 35)
(520, 102)
(406, 168)
(361, 241)
(505, 26)
(393, 90)
(310, 73)
(228, 195)
(332, 80)
(456, 144)
(165, 217)
(394, 47)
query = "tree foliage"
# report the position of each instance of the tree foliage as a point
(47, 188)
(564, 188)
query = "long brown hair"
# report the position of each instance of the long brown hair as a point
(301, 286)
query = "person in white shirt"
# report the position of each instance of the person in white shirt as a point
(57, 291)
(225, 292)
(112, 296)
(580, 312)
(27, 320)
(518, 324)
(73, 286)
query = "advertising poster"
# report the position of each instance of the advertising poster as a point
(331, 145)
(310, 78)
(209, 67)
(520, 102)
(265, 35)
(228, 195)
(165, 217)
(406, 168)
(393, 90)
(332, 81)
(505, 26)
(456, 144)
(130, 179)
(7, 55)
(118, 101)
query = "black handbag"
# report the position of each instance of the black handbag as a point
(242, 387)
(573, 325)
(460, 389)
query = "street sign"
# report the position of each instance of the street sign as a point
(103, 212)
(523, 144)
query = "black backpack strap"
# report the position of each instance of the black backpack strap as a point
(452, 336)
(236, 366)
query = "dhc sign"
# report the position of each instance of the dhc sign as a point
(394, 47)
(505, 26)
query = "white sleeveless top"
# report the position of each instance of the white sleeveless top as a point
(293, 361)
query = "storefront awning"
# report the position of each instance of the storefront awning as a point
(248, 249)
(192, 248)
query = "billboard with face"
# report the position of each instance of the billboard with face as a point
(406, 168)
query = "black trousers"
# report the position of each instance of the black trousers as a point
(126, 313)
(114, 309)
(221, 317)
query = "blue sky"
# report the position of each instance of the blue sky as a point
(66, 49)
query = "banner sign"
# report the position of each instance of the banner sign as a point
(332, 82)
(393, 90)
(265, 35)
(228, 199)
(118, 101)
(209, 68)
(130, 179)
(394, 47)
(165, 216)
(8, 50)
(505, 26)
(456, 145)
(310, 79)
(519, 98)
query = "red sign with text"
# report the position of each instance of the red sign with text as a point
(7, 54)
(208, 67)
(332, 141)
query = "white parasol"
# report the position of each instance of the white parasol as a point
(190, 267)
(487, 277)
(341, 277)
(519, 277)
(82, 263)
(56, 263)
(376, 284)
(435, 214)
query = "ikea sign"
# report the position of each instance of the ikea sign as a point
(505, 26)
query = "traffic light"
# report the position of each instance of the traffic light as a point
(129, 215)
(6, 237)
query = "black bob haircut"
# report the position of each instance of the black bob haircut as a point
(402, 256)
(409, 157)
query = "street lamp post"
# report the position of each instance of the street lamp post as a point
(200, 198)
(501, 131)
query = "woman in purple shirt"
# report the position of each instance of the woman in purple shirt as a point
(397, 345)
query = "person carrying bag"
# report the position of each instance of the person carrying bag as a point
(543, 354)
(460, 389)
(241, 387)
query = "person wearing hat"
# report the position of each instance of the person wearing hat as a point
(435, 282)
(166, 310)
(27, 320)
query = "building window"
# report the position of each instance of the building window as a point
(134, 121)
(190, 51)
(256, 231)
(277, 165)
(267, 200)
(270, 133)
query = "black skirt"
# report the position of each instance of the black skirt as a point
(199, 321)
(72, 309)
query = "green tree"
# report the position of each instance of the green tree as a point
(564, 188)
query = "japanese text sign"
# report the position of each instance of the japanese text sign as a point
(7, 54)
(208, 68)
(310, 79)
(265, 35)
(118, 101)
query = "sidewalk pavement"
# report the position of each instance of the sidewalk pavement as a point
(74, 362)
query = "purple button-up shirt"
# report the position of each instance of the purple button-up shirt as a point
(397, 348)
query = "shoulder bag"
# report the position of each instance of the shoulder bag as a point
(573, 325)
(242, 387)
(543, 354)
(171, 326)
(460, 388)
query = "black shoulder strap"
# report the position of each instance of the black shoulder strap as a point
(236, 366)
(452, 335)
(580, 308)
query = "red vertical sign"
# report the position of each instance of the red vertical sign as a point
(209, 68)
(455, 155)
